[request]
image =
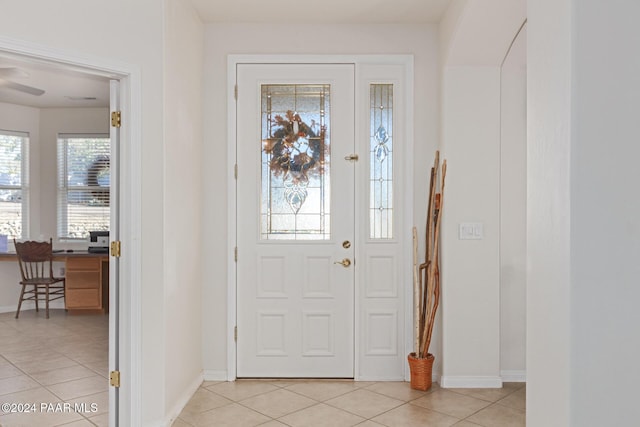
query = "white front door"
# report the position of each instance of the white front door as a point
(295, 224)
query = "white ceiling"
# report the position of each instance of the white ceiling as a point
(325, 11)
(60, 84)
(67, 88)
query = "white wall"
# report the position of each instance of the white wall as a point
(471, 268)
(224, 39)
(549, 135)
(130, 34)
(473, 44)
(513, 210)
(183, 258)
(605, 214)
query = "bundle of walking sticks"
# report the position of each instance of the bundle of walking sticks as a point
(426, 276)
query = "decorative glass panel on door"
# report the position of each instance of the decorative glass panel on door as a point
(296, 185)
(381, 162)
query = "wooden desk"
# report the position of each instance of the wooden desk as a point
(87, 280)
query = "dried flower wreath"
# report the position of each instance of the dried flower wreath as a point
(296, 149)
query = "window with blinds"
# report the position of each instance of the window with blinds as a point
(14, 188)
(83, 185)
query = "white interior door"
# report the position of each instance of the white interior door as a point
(295, 225)
(114, 262)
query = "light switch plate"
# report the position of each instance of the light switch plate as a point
(471, 231)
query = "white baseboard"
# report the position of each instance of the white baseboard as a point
(471, 382)
(514, 376)
(182, 402)
(8, 308)
(215, 375)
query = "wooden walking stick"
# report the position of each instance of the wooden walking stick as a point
(416, 294)
(434, 271)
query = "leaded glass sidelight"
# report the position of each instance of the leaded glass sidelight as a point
(295, 195)
(381, 161)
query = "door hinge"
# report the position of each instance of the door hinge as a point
(235, 333)
(235, 171)
(352, 157)
(116, 119)
(115, 248)
(235, 92)
(235, 254)
(114, 378)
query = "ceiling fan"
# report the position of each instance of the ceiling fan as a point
(13, 72)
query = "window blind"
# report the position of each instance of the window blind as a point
(14, 189)
(83, 185)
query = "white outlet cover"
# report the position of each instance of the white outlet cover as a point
(471, 231)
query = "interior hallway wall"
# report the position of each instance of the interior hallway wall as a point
(474, 43)
(513, 211)
(183, 258)
(131, 34)
(605, 214)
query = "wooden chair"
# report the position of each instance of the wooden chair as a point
(36, 267)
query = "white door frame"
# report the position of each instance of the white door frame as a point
(130, 209)
(405, 311)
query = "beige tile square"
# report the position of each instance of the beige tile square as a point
(100, 367)
(22, 352)
(34, 366)
(273, 423)
(80, 423)
(321, 415)
(364, 403)
(179, 422)
(204, 400)
(499, 416)
(283, 383)
(16, 384)
(240, 390)
(322, 391)
(210, 383)
(397, 390)
(96, 404)
(89, 356)
(39, 394)
(516, 400)
(369, 423)
(78, 388)
(56, 376)
(409, 415)
(450, 403)
(465, 423)
(488, 394)
(100, 420)
(232, 415)
(7, 370)
(278, 403)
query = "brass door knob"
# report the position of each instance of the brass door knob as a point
(345, 262)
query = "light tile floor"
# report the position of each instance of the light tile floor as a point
(337, 403)
(53, 361)
(65, 359)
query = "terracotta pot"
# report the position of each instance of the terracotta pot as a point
(421, 371)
